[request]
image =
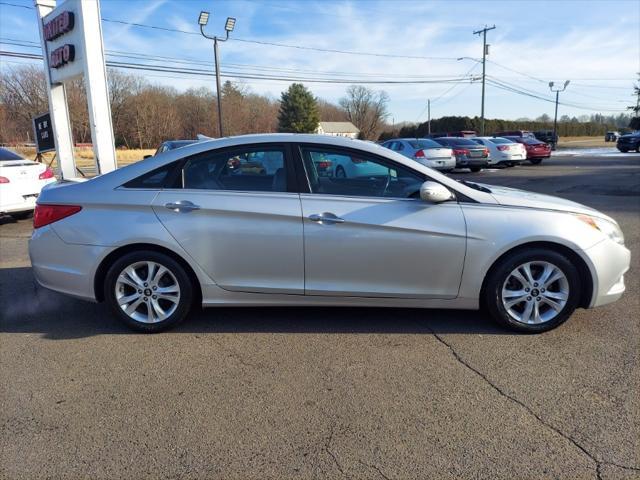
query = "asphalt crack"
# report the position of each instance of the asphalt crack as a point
(327, 448)
(598, 463)
(374, 467)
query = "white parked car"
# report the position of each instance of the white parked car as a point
(20, 182)
(503, 151)
(424, 151)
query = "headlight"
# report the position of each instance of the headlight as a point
(610, 229)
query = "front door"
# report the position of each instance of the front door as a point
(370, 235)
(234, 214)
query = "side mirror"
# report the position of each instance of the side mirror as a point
(147, 156)
(434, 192)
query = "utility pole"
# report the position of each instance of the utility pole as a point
(555, 117)
(203, 19)
(484, 60)
(429, 116)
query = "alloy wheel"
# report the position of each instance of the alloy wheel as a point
(147, 292)
(535, 292)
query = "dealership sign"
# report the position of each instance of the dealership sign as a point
(60, 25)
(71, 36)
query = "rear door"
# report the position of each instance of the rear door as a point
(236, 213)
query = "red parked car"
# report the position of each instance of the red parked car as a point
(536, 150)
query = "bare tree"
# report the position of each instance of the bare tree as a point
(366, 109)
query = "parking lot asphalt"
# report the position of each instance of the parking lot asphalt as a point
(327, 392)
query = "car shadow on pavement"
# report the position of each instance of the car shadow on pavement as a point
(27, 308)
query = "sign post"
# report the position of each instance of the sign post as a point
(71, 36)
(57, 103)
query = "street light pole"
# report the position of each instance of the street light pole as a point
(429, 116)
(203, 19)
(555, 117)
(484, 61)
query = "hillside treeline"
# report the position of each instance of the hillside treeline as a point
(144, 115)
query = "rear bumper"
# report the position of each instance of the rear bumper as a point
(14, 199)
(439, 163)
(63, 267)
(464, 162)
(538, 154)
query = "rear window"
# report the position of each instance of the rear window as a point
(9, 155)
(424, 143)
(500, 141)
(457, 141)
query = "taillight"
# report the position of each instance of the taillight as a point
(358, 160)
(419, 154)
(502, 148)
(324, 164)
(48, 173)
(46, 214)
(4, 180)
(460, 151)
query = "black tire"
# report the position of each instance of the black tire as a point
(638, 149)
(535, 161)
(624, 150)
(22, 215)
(184, 282)
(492, 298)
(475, 169)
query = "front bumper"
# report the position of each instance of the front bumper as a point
(63, 267)
(609, 261)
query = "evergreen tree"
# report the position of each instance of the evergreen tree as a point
(298, 111)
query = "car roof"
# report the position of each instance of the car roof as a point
(6, 154)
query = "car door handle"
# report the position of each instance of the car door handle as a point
(326, 217)
(182, 206)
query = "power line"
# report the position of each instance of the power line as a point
(245, 75)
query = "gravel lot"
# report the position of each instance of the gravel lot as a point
(327, 393)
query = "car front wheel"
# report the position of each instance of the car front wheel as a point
(533, 291)
(149, 291)
(535, 161)
(475, 169)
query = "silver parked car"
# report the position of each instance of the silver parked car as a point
(193, 226)
(424, 151)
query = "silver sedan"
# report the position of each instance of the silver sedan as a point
(209, 224)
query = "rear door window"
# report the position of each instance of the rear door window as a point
(244, 169)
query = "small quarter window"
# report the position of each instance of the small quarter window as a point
(154, 179)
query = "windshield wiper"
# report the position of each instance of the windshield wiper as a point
(475, 186)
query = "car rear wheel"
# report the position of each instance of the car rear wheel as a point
(149, 291)
(535, 161)
(475, 169)
(533, 291)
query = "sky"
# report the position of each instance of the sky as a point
(594, 44)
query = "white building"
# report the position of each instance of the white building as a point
(338, 129)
